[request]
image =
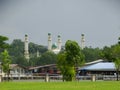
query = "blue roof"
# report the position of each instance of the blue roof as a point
(102, 66)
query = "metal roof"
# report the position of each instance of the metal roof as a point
(101, 66)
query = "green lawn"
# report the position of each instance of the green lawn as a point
(83, 85)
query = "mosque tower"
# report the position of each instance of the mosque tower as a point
(59, 43)
(82, 41)
(49, 41)
(38, 54)
(26, 49)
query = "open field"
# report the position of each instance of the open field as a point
(83, 85)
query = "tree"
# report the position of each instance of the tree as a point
(107, 53)
(3, 44)
(113, 54)
(46, 58)
(116, 58)
(91, 54)
(5, 62)
(16, 48)
(22, 61)
(33, 48)
(70, 60)
(74, 56)
(16, 52)
(61, 63)
(117, 65)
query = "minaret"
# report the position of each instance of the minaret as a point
(82, 41)
(59, 42)
(26, 51)
(49, 41)
(38, 54)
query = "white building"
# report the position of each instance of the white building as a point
(56, 48)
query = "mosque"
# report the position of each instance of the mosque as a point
(54, 47)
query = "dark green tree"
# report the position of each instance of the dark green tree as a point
(20, 60)
(92, 54)
(33, 48)
(107, 53)
(16, 48)
(47, 58)
(16, 52)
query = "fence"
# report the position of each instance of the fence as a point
(98, 77)
(59, 78)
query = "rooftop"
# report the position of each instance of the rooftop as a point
(101, 66)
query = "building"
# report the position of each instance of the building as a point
(56, 48)
(42, 70)
(17, 70)
(99, 67)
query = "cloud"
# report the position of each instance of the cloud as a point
(98, 20)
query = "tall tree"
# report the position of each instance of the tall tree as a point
(74, 56)
(5, 62)
(62, 64)
(70, 60)
(113, 54)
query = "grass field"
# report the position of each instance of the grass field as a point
(84, 85)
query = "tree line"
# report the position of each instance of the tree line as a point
(16, 51)
(67, 60)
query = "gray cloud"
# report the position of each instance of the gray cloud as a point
(99, 20)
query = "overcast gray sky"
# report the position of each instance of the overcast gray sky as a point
(99, 20)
